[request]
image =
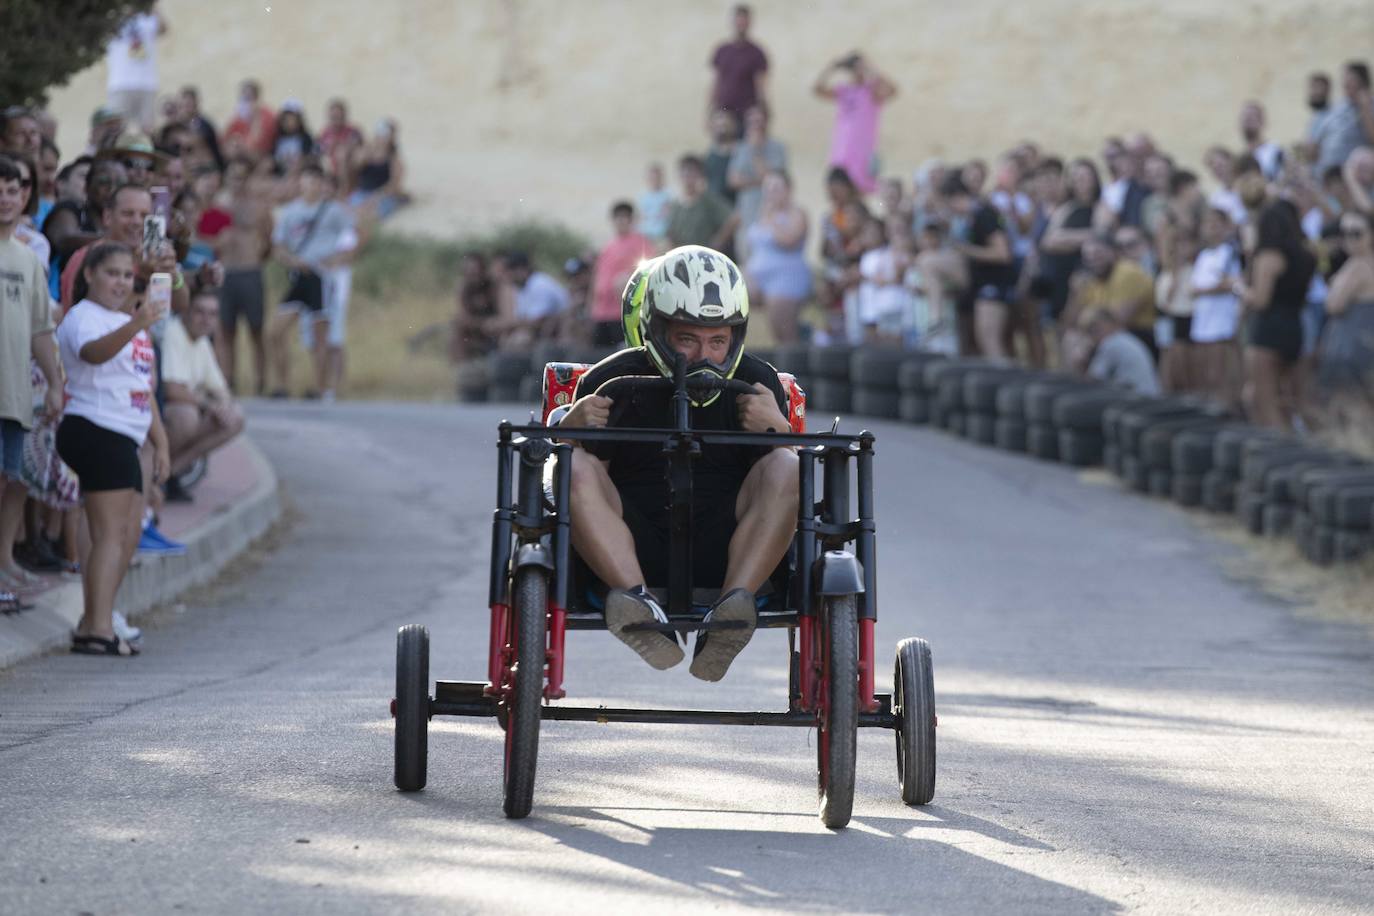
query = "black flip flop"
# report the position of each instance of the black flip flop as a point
(98, 645)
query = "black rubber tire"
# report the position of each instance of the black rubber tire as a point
(911, 374)
(981, 387)
(1187, 489)
(876, 367)
(980, 427)
(1156, 444)
(1011, 401)
(1191, 450)
(765, 354)
(1111, 422)
(1160, 483)
(1354, 508)
(954, 422)
(1041, 395)
(829, 363)
(1042, 441)
(1218, 491)
(1010, 434)
(1135, 473)
(828, 397)
(913, 702)
(1250, 510)
(1111, 458)
(877, 402)
(1276, 520)
(472, 383)
(1080, 448)
(914, 408)
(1083, 411)
(1337, 477)
(505, 393)
(529, 618)
(1259, 462)
(1349, 546)
(1322, 544)
(837, 738)
(411, 763)
(949, 394)
(1226, 451)
(793, 358)
(1135, 420)
(532, 390)
(508, 366)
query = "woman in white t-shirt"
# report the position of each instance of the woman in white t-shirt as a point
(1216, 309)
(110, 412)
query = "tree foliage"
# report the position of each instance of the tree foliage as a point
(43, 43)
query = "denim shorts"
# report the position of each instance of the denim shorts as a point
(11, 449)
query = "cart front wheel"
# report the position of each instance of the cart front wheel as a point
(412, 707)
(528, 640)
(839, 710)
(913, 699)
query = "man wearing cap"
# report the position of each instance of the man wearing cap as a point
(136, 153)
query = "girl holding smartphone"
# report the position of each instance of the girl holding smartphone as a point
(111, 411)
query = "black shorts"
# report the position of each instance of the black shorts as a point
(102, 459)
(242, 295)
(713, 524)
(1183, 328)
(1276, 329)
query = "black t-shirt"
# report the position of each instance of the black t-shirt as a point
(1279, 229)
(983, 225)
(1060, 266)
(638, 468)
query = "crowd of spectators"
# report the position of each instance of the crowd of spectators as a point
(1250, 281)
(126, 269)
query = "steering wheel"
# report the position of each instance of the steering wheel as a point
(618, 389)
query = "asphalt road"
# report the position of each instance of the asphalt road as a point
(1123, 726)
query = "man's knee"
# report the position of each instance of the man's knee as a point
(181, 420)
(777, 480)
(590, 480)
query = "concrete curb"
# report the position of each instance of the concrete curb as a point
(151, 581)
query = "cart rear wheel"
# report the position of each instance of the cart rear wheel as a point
(528, 622)
(839, 710)
(913, 699)
(412, 707)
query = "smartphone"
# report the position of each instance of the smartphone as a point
(162, 201)
(154, 234)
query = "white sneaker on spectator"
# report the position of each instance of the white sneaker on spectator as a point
(125, 630)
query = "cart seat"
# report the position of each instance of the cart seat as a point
(560, 383)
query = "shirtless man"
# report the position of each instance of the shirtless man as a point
(243, 248)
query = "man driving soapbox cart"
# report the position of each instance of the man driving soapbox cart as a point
(661, 497)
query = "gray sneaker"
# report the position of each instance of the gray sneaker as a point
(716, 649)
(626, 606)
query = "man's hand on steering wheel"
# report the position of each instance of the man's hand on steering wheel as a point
(759, 413)
(592, 410)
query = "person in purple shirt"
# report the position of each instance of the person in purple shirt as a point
(741, 68)
(854, 144)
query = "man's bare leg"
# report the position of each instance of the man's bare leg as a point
(766, 510)
(599, 533)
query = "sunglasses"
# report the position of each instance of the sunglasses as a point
(142, 165)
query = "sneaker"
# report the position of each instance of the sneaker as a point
(176, 492)
(717, 649)
(125, 630)
(626, 606)
(154, 542)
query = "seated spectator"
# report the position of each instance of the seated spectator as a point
(535, 302)
(777, 271)
(655, 206)
(883, 300)
(199, 413)
(1117, 355)
(292, 145)
(614, 264)
(379, 174)
(1111, 282)
(699, 216)
(476, 322)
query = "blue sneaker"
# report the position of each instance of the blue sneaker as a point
(155, 542)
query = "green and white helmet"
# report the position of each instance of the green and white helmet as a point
(698, 286)
(632, 300)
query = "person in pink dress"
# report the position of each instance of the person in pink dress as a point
(858, 101)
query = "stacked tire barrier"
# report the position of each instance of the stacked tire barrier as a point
(1177, 448)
